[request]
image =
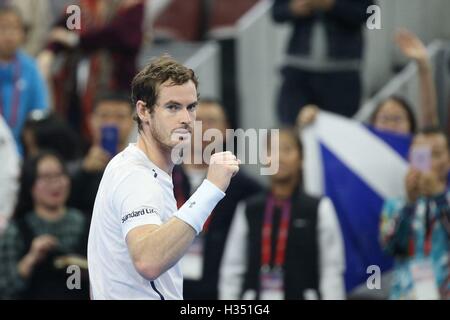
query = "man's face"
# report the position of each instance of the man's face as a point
(290, 158)
(212, 116)
(11, 34)
(112, 113)
(392, 117)
(439, 152)
(174, 114)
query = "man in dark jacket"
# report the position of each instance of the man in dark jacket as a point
(324, 55)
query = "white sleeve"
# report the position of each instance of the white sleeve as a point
(139, 200)
(233, 264)
(9, 172)
(331, 253)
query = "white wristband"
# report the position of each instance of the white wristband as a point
(199, 206)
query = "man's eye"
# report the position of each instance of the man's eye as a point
(173, 107)
(192, 108)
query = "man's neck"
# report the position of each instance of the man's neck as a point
(49, 214)
(154, 151)
(284, 189)
(122, 146)
(198, 167)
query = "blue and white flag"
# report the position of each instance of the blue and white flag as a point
(358, 168)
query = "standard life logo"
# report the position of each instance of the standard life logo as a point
(138, 213)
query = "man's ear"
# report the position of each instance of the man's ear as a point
(142, 111)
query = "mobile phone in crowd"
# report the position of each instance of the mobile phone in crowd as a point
(110, 139)
(421, 158)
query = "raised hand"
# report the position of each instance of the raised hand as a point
(222, 167)
(411, 46)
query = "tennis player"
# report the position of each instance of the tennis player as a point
(137, 235)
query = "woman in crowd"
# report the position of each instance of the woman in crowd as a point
(44, 237)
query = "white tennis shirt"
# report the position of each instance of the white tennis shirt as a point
(133, 192)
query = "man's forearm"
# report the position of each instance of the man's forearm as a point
(160, 249)
(427, 94)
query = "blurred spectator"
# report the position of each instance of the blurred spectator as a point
(324, 55)
(22, 88)
(9, 174)
(99, 57)
(284, 244)
(416, 229)
(395, 114)
(112, 111)
(44, 236)
(202, 261)
(389, 114)
(37, 20)
(153, 9)
(44, 131)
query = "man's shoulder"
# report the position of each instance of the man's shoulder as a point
(130, 171)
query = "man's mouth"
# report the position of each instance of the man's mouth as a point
(182, 131)
(182, 134)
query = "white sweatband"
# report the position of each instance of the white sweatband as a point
(199, 206)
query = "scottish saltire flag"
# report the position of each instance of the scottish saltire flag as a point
(358, 168)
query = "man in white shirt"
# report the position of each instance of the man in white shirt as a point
(137, 235)
(9, 174)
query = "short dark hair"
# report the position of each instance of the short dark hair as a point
(52, 133)
(116, 96)
(404, 104)
(145, 85)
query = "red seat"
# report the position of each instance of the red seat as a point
(180, 20)
(225, 13)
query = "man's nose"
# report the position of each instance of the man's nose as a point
(186, 116)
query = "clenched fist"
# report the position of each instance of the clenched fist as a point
(222, 167)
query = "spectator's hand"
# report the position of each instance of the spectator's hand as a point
(307, 115)
(71, 260)
(322, 5)
(44, 62)
(430, 185)
(65, 37)
(412, 185)
(300, 8)
(411, 46)
(96, 159)
(41, 246)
